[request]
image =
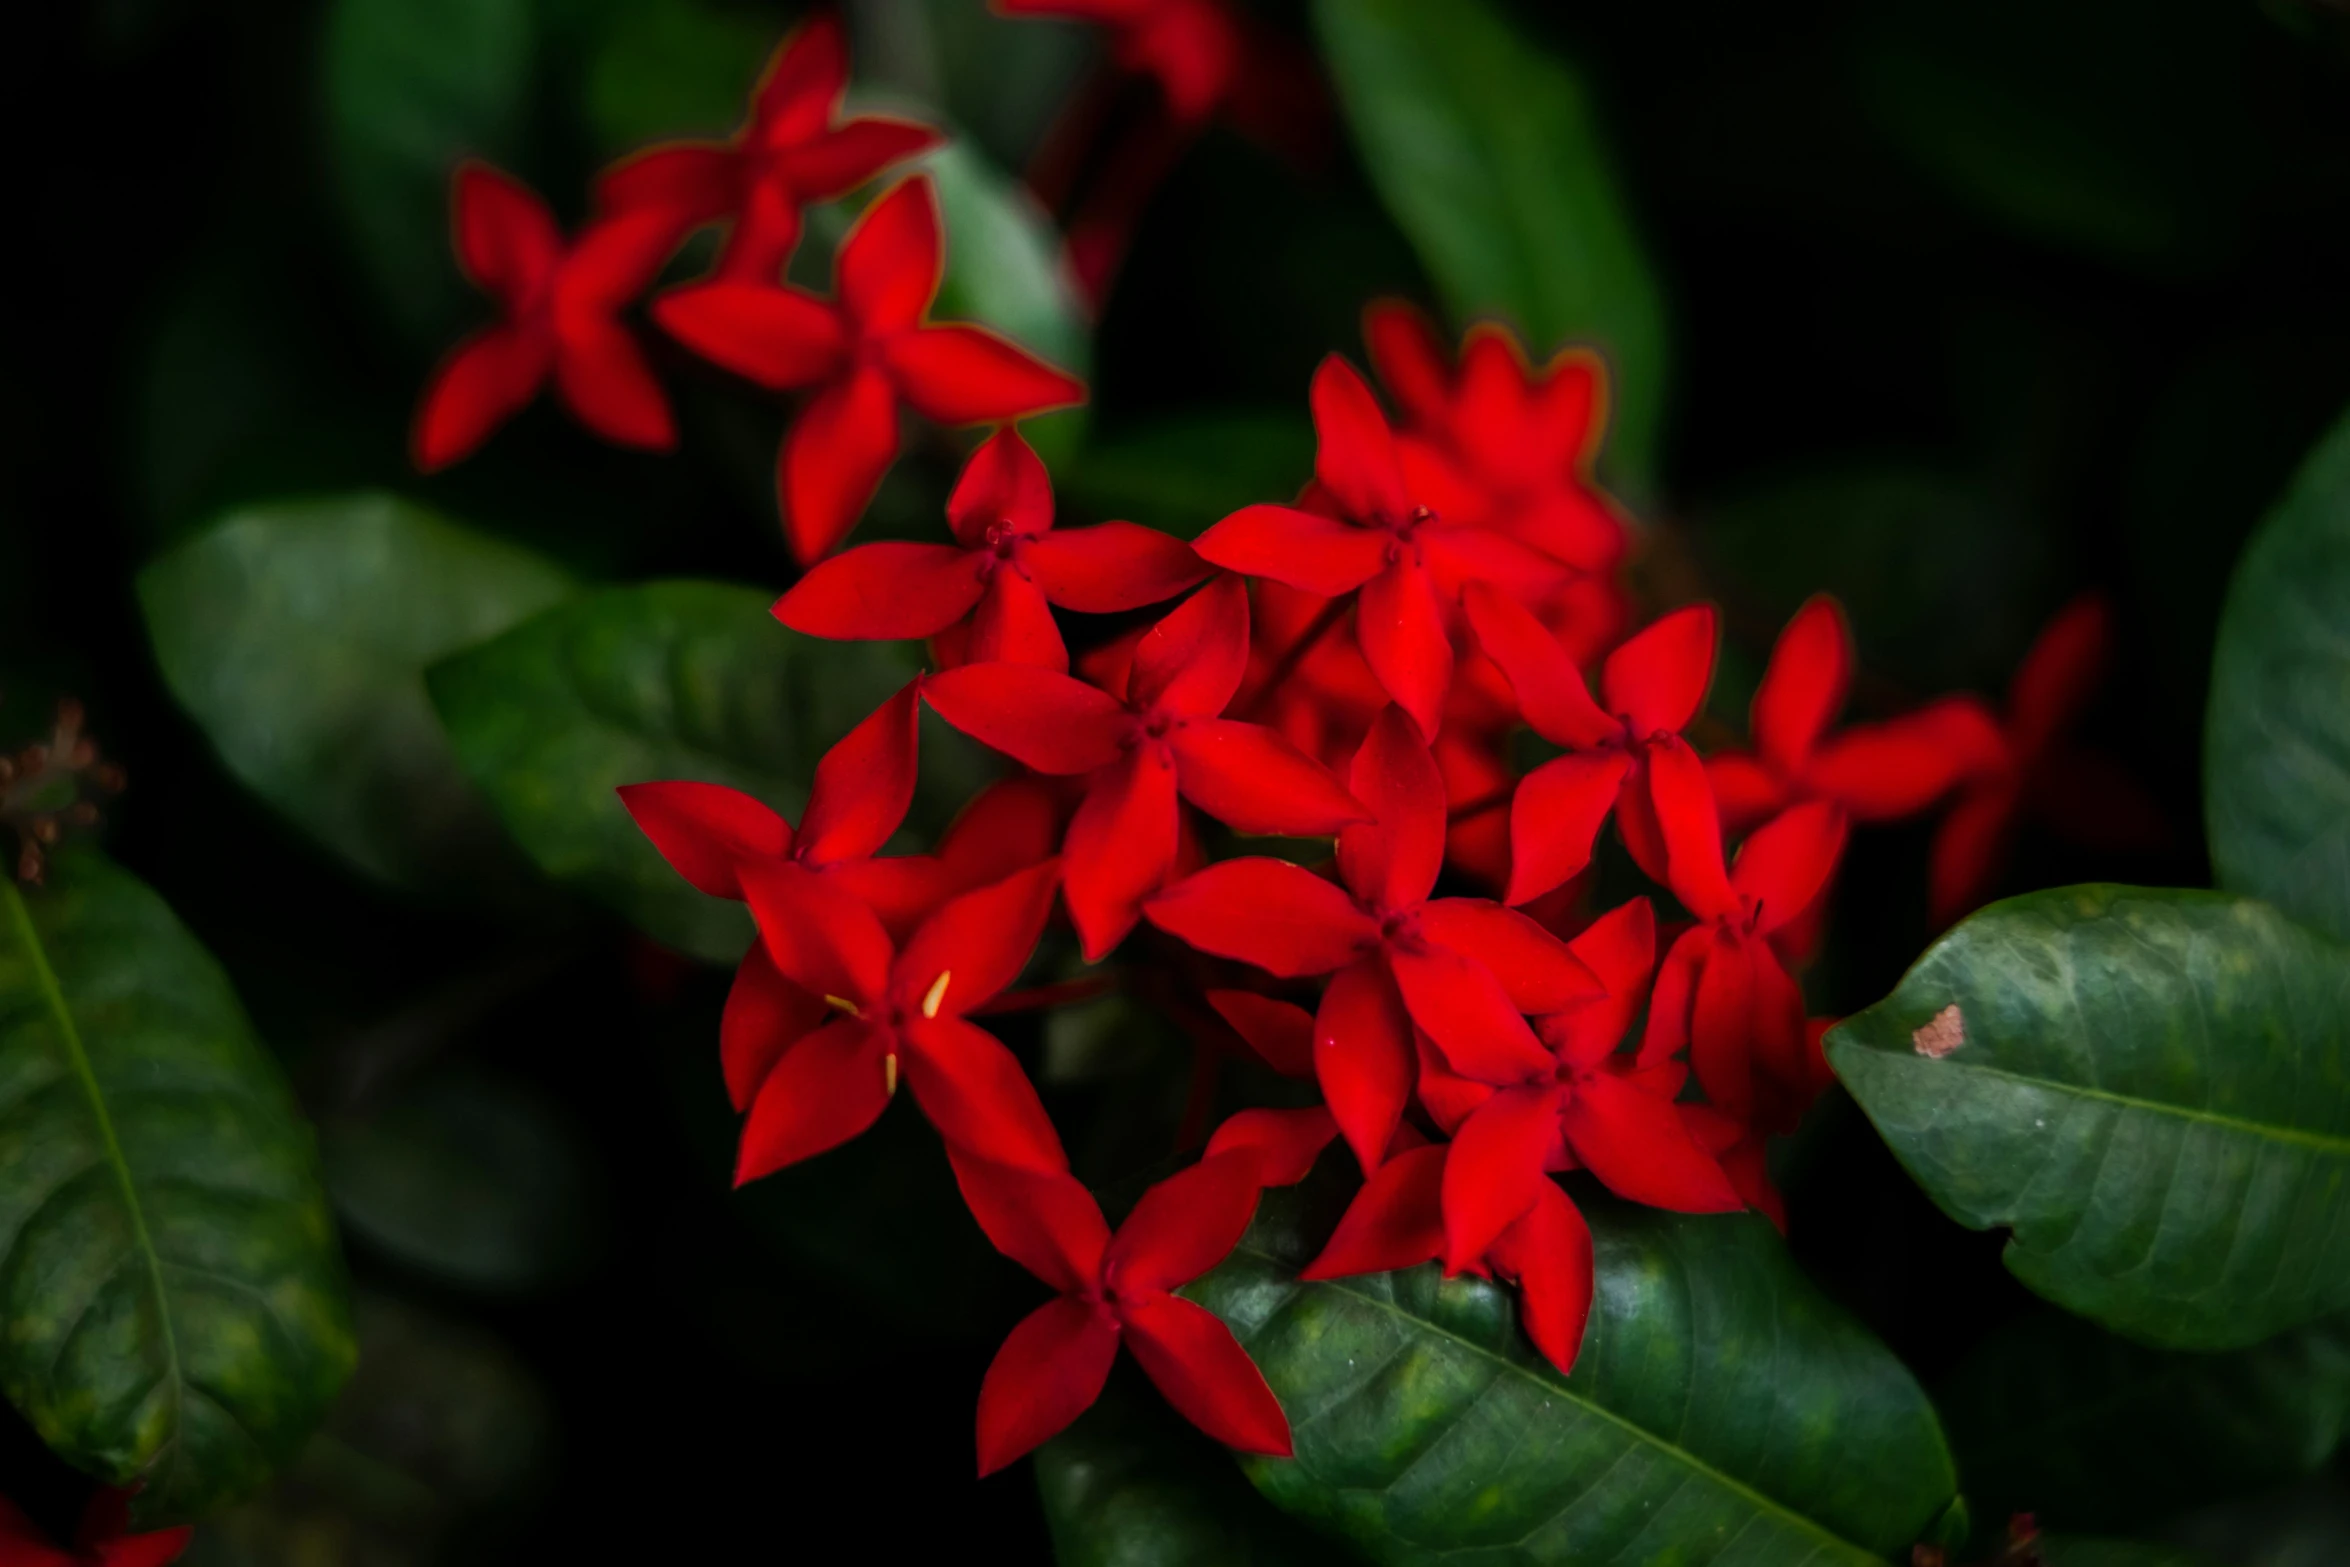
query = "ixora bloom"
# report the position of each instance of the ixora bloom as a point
(1463, 969)
(1382, 538)
(1118, 1289)
(1143, 749)
(560, 303)
(792, 152)
(99, 1541)
(863, 352)
(1005, 572)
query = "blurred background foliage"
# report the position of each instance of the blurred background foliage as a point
(1952, 310)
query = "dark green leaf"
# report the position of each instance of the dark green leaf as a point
(2085, 1430)
(1182, 472)
(2276, 747)
(2152, 1092)
(174, 1302)
(1722, 1409)
(411, 88)
(297, 636)
(1483, 147)
(665, 680)
(671, 69)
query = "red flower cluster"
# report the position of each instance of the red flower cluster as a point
(860, 354)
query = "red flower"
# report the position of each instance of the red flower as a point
(1526, 438)
(98, 1542)
(1876, 772)
(1725, 991)
(1382, 536)
(865, 353)
(2040, 772)
(1464, 969)
(788, 155)
(902, 1007)
(1192, 48)
(1006, 570)
(1652, 686)
(1161, 741)
(559, 306)
(1397, 1221)
(1118, 1289)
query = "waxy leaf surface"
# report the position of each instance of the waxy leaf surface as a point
(297, 636)
(172, 1305)
(2152, 1092)
(1722, 1410)
(2276, 745)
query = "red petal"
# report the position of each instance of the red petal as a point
(1495, 1171)
(779, 338)
(1280, 1032)
(1279, 916)
(1549, 1253)
(1619, 948)
(1409, 359)
(1049, 1372)
(155, 1549)
(1803, 688)
(767, 227)
(1204, 1373)
(1011, 825)
(1112, 566)
(1745, 791)
(1395, 1221)
(1392, 862)
(1044, 1220)
(1038, 718)
(864, 784)
(1884, 771)
(507, 240)
(1400, 626)
(822, 939)
(1363, 1057)
(1721, 1026)
(974, 1092)
(1253, 781)
(1356, 460)
(1555, 818)
(1783, 865)
(488, 379)
(1191, 662)
(962, 374)
(1670, 1003)
(1657, 678)
(1185, 1225)
(1550, 690)
(976, 943)
(1537, 971)
(765, 1013)
(826, 1089)
(2058, 673)
(832, 461)
(884, 591)
(845, 157)
(1637, 1145)
(888, 266)
(1460, 555)
(1970, 851)
(801, 85)
(1284, 1143)
(614, 260)
(696, 180)
(1014, 625)
(1299, 549)
(1465, 1010)
(1684, 805)
(1003, 486)
(603, 379)
(706, 831)
(1120, 848)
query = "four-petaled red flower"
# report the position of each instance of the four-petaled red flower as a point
(559, 305)
(1142, 748)
(1463, 969)
(1113, 1289)
(1006, 570)
(1652, 686)
(99, 1540)
(864, 351)
(788, 155)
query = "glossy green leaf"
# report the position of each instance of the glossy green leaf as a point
(664, 680)
(1722, 1409)
(2151, 1089)
(172, 1305)
(2085, 1430)
(297, 635)
(1181, 473)
(410, 89)
(2276, 746)
(1483, 146)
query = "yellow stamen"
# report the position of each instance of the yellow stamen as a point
(938, 993)
(844, 1004)
(889, 1073)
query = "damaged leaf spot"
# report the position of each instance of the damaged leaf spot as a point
(1944, 1032)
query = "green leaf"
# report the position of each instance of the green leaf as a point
(411, 89)
(2276, 746)
(664, 680)
(297, 634)
(671, 69)
(2152, 1093)
(1180, 473)
(1483, 147)
(1720, 1400)
(172, 1300)
(2085, 1430)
